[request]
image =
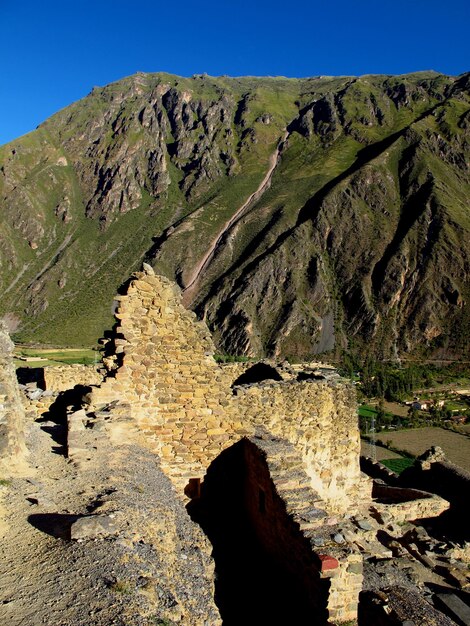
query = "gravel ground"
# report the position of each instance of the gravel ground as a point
(154, 564)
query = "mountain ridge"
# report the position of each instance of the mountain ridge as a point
(370, 183)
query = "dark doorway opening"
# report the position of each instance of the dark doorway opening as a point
(256, 374)
(265, 569)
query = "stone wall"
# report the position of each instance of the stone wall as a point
(42, 386)
(63, 377)
(287, 525)
(172, 386)
(319, 419)
(12, 416)
(406, 504)
(169, 384)
(258, 488)
(376, 469)
(164, 381)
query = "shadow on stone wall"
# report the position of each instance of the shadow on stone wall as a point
(264, 566)
(434, 472)
(55, 419)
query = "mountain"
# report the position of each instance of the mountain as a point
(298, 215)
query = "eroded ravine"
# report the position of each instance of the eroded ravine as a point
(197, 272)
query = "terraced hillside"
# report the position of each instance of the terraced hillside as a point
(298, 215)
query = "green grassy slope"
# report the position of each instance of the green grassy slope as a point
(361, 239)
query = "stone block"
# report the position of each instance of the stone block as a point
(92, 527)
(453, 605)
(327, 562)
(141, 285)
(216, 431)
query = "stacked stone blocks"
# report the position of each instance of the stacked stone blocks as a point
(168, 384)
(12, 414)
(63, 377)
(184, 401)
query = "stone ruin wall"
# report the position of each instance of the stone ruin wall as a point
(173, 389)
(165, 382)
(182, 399)
(12, 415)
(335, 588)
(45, 384)
(63, 377)
(319, 419)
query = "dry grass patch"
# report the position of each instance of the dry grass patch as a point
(381, 453)
(418, 440)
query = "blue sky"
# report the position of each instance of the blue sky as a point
(53, 53)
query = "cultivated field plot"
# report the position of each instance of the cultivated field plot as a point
(417, 440)
(396, 409)
(42, 357)
(381, 453)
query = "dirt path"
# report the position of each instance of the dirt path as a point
(254, 197)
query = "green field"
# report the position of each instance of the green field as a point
(369, 411)
(398, 465)
(53, 356)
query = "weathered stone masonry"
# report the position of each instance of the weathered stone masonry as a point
(12, 416)
(64, 377)
(319, 419)
(176, 392)
(299, 438)
(164, 381)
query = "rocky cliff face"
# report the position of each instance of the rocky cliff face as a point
(299, 216)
